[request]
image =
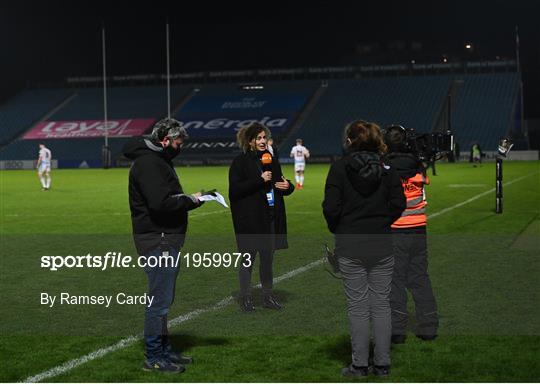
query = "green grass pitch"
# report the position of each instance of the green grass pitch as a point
(484, 268)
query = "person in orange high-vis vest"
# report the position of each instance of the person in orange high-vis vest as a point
(409, 236)
(415, 214)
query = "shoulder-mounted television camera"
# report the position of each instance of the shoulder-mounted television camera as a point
(427, 147)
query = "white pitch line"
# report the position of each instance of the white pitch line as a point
(466, 185)
(229, 299)
(476, 197)
(71, 364)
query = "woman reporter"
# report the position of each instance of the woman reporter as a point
(363, 197)
(256, 190)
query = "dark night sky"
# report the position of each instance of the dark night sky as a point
(45, 41)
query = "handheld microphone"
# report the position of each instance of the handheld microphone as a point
(266, 161)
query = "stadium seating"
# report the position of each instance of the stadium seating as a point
(122, 102)
(87, 104)
(29, 106)
(482, 110)
(413, 102)
(279, 98)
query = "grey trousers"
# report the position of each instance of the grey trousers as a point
(367, 288)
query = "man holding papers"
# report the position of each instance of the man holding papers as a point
(159, 216)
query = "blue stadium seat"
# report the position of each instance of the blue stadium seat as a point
(414, 102)
(87, 104)
(483, 109)
(25, 109)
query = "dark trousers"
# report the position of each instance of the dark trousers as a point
(411, 274)
(161, 285)
(266, 258)
(266, 275)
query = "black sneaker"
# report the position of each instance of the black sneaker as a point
(269, 301)
(352, 371)
(162, 365)
(427, 337)
(381, 370)
(399, 339)
(246, 304)
(178, 358)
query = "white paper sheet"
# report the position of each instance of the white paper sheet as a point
(217, 198)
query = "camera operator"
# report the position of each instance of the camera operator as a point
(410, 244)
(362, 198)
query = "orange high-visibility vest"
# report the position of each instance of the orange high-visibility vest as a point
(415, 213)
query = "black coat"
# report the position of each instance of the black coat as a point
(362, 198)
(249, 207)
(156, 199)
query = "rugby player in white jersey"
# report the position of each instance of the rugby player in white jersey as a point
(44, 167)
(300, 154)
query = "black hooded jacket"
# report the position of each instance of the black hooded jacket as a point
(406, 164)
(362, 198)
(362, 195)
(156, 199)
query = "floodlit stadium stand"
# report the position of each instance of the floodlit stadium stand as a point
(483, 109)
(413, 102)
(123, 103)
(25, 109)
(83, 104)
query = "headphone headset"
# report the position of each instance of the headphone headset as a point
(170, 128)
(386, 131)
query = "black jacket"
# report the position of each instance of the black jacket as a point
(249, 207)
(362, 198)
(406, 164)
(156, 199)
